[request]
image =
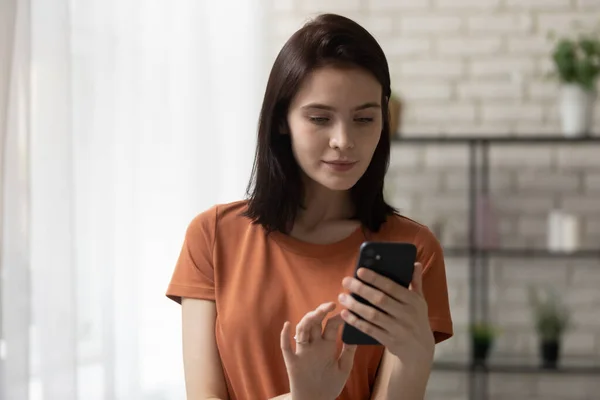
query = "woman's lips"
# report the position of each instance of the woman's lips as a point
(340, 166)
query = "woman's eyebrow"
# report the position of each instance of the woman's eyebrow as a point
(330, 108)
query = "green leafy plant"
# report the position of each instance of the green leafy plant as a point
(551, 317)
(577, 60)
(483, 333)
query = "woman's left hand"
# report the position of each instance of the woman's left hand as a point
(404, 327)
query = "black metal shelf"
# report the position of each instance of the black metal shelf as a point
(521, 253)
(478, 175)
(506, 368)
(498, 139)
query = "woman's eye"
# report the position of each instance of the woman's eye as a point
(364, 120)
(319, 120)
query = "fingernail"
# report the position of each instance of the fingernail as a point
(345, 315)
(342, 297)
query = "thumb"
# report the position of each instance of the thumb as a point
(416, 284)
(286, 348)
(346, 359)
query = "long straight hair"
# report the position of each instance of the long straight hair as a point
(275, 189)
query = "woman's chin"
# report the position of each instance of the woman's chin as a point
(338, 184)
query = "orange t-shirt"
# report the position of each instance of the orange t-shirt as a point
(258, 282)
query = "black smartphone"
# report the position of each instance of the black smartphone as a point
(395, 261)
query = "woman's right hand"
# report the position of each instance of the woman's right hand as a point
(315, 370)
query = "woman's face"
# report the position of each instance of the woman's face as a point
(335, 124)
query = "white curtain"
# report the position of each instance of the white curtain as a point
(119, 121)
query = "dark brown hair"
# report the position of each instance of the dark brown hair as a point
(275, 189)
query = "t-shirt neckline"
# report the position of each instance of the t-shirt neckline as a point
(350, 243)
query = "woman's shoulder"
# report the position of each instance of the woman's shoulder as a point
(400, 228)
(222, 216)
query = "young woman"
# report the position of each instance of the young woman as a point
(254, 275)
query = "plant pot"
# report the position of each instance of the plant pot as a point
(576, 110)
(481, 350)
(550, 350)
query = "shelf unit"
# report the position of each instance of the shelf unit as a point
(478, 172)
(516, 367)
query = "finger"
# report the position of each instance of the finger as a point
(384, 284)
(332, 327)
(315, 321)
(346, 358)
(374, 296)
(370, 313)
(286, 347)
(416, 284)
(378, 298)
(310, 326)
(302, 333)
(366, 327)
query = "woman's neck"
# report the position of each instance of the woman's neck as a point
(323, 206)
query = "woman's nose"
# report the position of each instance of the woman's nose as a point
(341, 138)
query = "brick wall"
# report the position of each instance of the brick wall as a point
(477, 67)
(462, 66)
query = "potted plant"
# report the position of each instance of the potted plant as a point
(577, 66)
(482, 340)
(551, 322)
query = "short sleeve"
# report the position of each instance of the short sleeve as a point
(435, 285)
(193, 275)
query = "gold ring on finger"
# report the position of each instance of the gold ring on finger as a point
(301, 341)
